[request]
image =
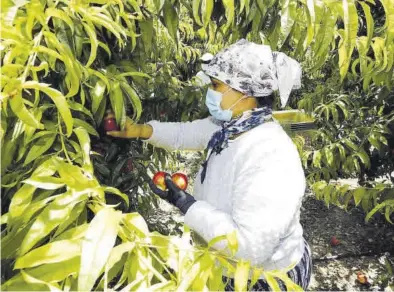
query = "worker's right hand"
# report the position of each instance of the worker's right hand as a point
(130, 130)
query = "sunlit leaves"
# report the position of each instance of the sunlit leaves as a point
(97, 245)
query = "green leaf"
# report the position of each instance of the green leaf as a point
(75, 212)
(53, 12)
(287, 17)
(84, 141)
(358, 195)
(389, 24)
(53, 252)
(317, 158)
(241, 275)
(117, 103)
(45, 182)
(97, 245)
(134, 222)
(20, 110)
(350, 19)
(50, 273)
(86, 126)
(171, 19)
(370, 22)
(229, 7)
(134, 100)
(374, 142)
(73, 233)
(89, 28)
(147, 32)
(59, 100)
(117, 192)
(79, 107)
(132, 74)
(272, 282)
(97, 95)
(206, 10)
(40, 147)
(196, 9)
(21, 200)
(377, 208)
(51, 217)
(31, 280)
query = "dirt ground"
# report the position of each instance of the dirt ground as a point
(364, 247)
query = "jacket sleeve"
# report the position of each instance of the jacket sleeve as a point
(265, 199)
(193, 135)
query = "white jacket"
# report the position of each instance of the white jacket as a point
(255, 187)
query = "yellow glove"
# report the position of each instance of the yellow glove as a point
(133, 131)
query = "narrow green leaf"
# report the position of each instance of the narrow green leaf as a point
(117, 192)
(272, 282)
(74, 233)
(51, 273)
(171, 19)
(46, 183)
(132, 74)
(53, 12)
(134, 100)
(147, 32)
(136, 223)
(89, 28)
(75, 212)
(97, 245)
(84, 141)
(206, 10)
(358, 195)
(117, 103)
(31, 280)
(350, 19)
(196, 11)
(40, 147)
(241, 275)
(54, 252)
(97, 95)
(370, 22)
(21, 200)
(20, 110)
(79, 107)
(59, 100)
(54, 214)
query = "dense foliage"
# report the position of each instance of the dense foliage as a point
(67, 187)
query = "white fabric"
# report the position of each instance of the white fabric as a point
(255, 187)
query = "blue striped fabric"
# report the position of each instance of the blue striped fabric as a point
(301, 275)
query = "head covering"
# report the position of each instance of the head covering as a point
(254, 70)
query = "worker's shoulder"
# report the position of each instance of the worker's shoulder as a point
(269, 133)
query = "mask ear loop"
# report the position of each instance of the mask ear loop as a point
(243, 97)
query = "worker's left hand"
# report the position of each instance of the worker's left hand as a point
(176, 196)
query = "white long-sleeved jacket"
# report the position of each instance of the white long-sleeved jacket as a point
(255, 187)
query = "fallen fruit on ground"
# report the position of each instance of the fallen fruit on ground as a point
(158, 180)
(362, 278)
(180, 180)
(334, 241)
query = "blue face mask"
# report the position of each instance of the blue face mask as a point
(213, 100)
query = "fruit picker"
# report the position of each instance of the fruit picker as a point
(252, 181)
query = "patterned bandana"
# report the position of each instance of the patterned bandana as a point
(255, 70)
(249, 120)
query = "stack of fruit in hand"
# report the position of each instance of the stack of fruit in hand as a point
(178, 178)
